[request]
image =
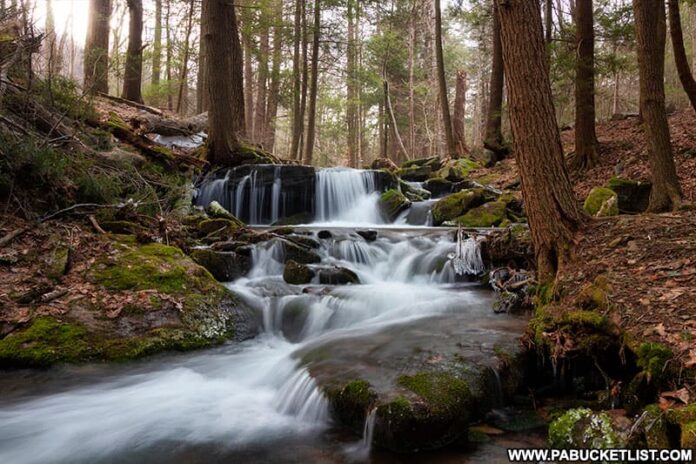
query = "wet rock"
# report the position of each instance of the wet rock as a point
(324, 234)
(229, 245)
(350, 402)
(337, 276)
(225, 266)
(392, 202)
(297, 274)
(584, 428)
(433, 162)
(439, 187)
(368, 235)
(413, 192)
(633, 195)
(299, 253)
(514, 244)
(218, 226)
(295, 219)
(487, 215)
(307, 242)
(601, 202)
(457, 204)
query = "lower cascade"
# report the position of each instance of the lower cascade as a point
(271, 388)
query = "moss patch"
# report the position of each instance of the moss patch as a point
(457, 170)
(653, 359)
(455, 205)
(487, 215)
(392, 202)
(583, 428)
(443, 392)
(601, 201)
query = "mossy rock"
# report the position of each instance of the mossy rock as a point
(655, 428)
(297, 274)
(384, 163)
(584, 428)
(295, 219)
(601, 202)
(595, 296)
(457, 170)
(433, 162)
(415, 173)
(218, 226)
(653, 359)
(438, 186)
(225, 266)
(216, 211)
(392, 202)
(487, 215)
(299, 253)
(413, 193)
(58, 262)
(338, 276)
(457, 204)
(633, 195)
(350, 403)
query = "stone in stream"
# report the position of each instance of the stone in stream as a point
(368, 235)
(297, 274)
(299, 253)
(324, 234)
(438, 186)
(392, 202)
(337, 276)
(457, 204)
(225, 266)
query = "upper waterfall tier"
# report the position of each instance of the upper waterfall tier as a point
(268, 194)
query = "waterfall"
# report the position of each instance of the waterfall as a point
(347, 195)
(361, 450)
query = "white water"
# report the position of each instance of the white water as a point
(346, 196)
(250, 393)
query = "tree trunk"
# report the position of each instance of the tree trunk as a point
(693, 38)
(133, 76)
(352, 103)
(442, 85)
(493, 140)
(392, 119)
(157, 45)
(183, 73)
(549, 21)
(168, 58)
(554, 213)
(459, 121)
(297, 118)
(305, 77)
(311, 116)
(248, 80)
(97, 47)
(412, 80)
(585, 134)
(202, 94)
(261, 80)
(226, 114)
(651, 32)
(682, 62)
(272, 105)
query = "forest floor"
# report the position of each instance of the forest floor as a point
(649, 259)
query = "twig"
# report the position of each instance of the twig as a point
(96, 225)
(54, 295)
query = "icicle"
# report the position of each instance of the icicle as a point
(467, 256)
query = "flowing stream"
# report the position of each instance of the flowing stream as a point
(254, 401)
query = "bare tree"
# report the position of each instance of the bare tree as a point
(97, 47)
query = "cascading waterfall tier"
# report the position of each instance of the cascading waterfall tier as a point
(267, 194)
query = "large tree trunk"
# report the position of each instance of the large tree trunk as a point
(412, 79)
(157, 45)
(183, 73)
(351, 91)
(272, 104)
(226, 114)
(493, 140)
(261, 79)
(651, 32)
(554, 213)
(97, 47)
(682, 62)
(311, 115)
(297, 117)
(248, 78)
(133, 77)
(305, 77)
(202, 93)
(442, 85)
(459, 120)
(548, 17)
(585, 134)
(169, 57)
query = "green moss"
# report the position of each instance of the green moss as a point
(601, 200)
(487, 215)
(456, 204)
(655, 428)
(688, 436)
(443, 392)
(653, 359)
(218, 225)
(46, 341)
(392, 202)
(115, 122)
(415, 173)
(583, 428)
(57, 264)
(680, 416)
(619, 182)
(457, 170)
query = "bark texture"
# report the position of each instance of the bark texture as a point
(133, 77)
(585, 133)
(442, 85)
(297, 117)
(97, 47)
(680, 58)
(203, 95)
(226, 114)
(312, 111)
(651, 32)
(554, 212)
(493, 139)
(459, 120)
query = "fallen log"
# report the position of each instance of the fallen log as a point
(150, 124)
(139, 106)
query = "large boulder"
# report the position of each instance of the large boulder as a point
(297, 274)
(147, 299)
(489, 214)
(337, 276)
(384, 163)
(392, 202)
(413, 192)
(225, 266)
(633, 195)
(415, 173)
(298, 253)
(457, 170)
(438, 186)
(601, 202)
(434, 162)
(457, 204)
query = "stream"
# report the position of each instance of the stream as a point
(260, 400)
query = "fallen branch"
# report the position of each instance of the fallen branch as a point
(54, 295)
(139, 106)
(147, 124)
(96, 225)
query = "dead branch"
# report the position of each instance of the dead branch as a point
(139, 106)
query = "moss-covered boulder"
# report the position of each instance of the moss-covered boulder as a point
(295, 219)
(148, 298)
(57, 262)
(434, 162)
(487, 215)
(633, 195)
(392, 202)
(415, 173)
(351, 403)
(384, 163)
(225, 266)
(218, 226)
(457, 170)
(216, 211)
(299, 253)
(413, 192)
(584, 428)
(297, 274)
(457, 204)
(601, 202)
